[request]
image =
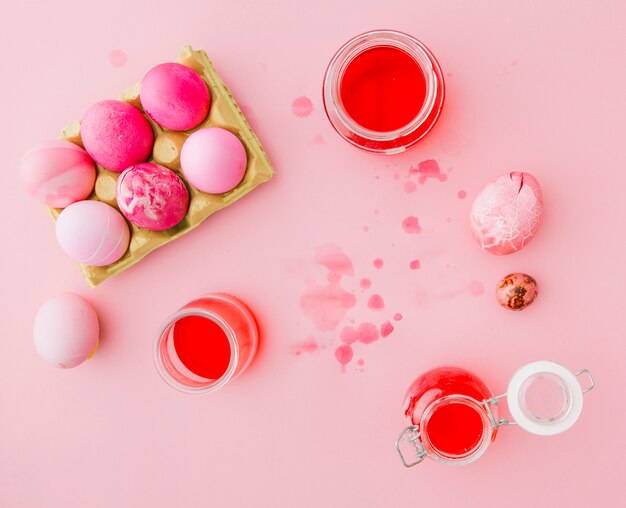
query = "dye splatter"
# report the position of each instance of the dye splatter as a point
(411, 225)
(117, 58)
(344, 355)
(365, 333)
(365, 283)
(415, 264)
(476, 288)
(461, 194)
(397, 317)
(386, 328)
(428, 169)
(365, 229)
(376, 302)
(302, 106)
(317, 140)
(307, 346)
(410, 187)
(378, 263)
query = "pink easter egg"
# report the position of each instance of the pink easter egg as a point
(213, 160)
(66, 331)
(175, 96)
(116, 135)
(93, 233)
(57, 173)
(506, 214)
(151, 196)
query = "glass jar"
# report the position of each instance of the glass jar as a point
(383, 91)
(454, 416)
(206, 343)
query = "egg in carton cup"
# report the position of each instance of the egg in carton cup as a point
(225, 113)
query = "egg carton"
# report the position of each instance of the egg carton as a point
(225, 113)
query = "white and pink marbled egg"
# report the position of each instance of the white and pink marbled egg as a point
(57, 173)
(151, 196)
(506, 214)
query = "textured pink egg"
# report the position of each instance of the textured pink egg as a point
(66, 331)
(175, 96)
(116, 135)
(151, 196)
(213, 160)
(58, 173)
(93, 233)
(506, 214)
(516, 291)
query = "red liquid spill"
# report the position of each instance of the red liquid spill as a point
(428, 169)
(476, 288)
(376, 302)
(309, 346)
(383, 89)
(415, 264)
(397, 317)
(334, 260)
(386, 328)
(365, 283)
(366, 333)
(378, 263)
(202, 346)
(411, 225)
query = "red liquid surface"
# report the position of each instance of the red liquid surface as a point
(383, 89)
(202, 346)
(453, 428)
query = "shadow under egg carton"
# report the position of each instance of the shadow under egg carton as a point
(224, 112)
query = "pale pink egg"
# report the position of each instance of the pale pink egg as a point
(151, 196)
(93, 233)
(116, 135)
(506, 214)
(213, 160)
(57, 173)
(66, 331)
(175, 96)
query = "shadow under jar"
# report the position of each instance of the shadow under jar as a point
(206, 343)
(383, 91)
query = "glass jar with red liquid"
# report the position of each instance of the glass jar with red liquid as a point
(383, 91)
(454, 416)
(206, 343)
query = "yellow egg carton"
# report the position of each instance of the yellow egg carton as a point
(225, 113)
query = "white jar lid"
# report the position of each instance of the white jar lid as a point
(544, 398)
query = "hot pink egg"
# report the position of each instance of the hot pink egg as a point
(175, 96)
(116, 135)
(57, 173)
(506, 214)
(66, 331)
(213, 160)
(151, 196)
(93, 233)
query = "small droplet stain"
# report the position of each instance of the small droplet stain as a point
(461, 194)
(117, 58)
(360, 362)
(476, 288)
(377, 212)
(448, 220)
(365, 283)
(344, 354)
(397, 316)
(302, 106)
(317, 140)
(386, 328)
(378, 263)
(366, 229)
(376, 302)
(411, 225)
(415, 264)
(410, 187)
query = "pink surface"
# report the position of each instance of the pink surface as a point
(534, 86)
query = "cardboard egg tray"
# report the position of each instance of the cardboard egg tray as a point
(224, 112)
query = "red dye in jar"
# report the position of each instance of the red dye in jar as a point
(444, 404)
(383, 89)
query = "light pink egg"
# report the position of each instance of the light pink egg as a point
(92, 233)
(151, 196)
(57, 173)
(116, 135)
(175, 96)
(66, 330)
(213, 160)
(506, 214)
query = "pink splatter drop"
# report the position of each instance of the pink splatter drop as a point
(396, 176)
(334, 260)
(317, 140)
(386, 328)
(117, 58)
(410, 187)
(365, 333)
(377, 212)
(448, 220)
(376, 302)
(428, 169)
(366, 229)
(378, 263)
(461, 194)
(309, 346)
(411, 225)
(302, 106)
(476, 288)
(344, 354)
(360, 362)
(397, 317)
(365, 283)
(415, 264)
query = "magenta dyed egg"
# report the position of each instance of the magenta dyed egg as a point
(93, 233)
(57, 173)
(506, 214)
(516, 291)
(116, 135)
(151, 196)
(175, 96)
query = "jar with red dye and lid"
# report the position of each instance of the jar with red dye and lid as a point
(206, 343)
(383, 91)
(454, 416)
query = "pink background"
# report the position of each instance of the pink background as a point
(535, 86)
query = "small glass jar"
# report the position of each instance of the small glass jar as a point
(454, 416)
(206, 343)
(399, 138)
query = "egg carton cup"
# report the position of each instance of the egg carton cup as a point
(224, 112)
